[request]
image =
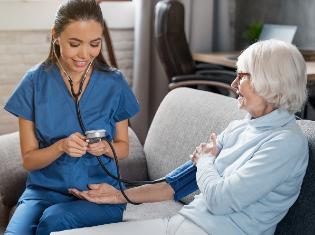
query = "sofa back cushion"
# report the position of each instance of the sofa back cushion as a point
(185, 118)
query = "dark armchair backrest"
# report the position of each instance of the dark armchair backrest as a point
(171, 40)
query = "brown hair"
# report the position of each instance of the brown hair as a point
(75, 10)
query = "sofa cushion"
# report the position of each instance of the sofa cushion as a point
(151, 210)
(137, 215)
(135, 166)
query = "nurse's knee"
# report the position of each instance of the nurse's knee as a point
(55, 218)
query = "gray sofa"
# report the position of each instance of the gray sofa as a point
(183, 120)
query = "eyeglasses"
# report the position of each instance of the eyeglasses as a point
(238, 79)
(241, 75)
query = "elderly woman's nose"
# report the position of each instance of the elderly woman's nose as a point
(234, 84)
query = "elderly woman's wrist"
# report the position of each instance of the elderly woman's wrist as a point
(205, 159)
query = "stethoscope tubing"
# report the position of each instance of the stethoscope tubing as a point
(83, 129)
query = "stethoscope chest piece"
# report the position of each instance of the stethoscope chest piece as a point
(94, 136)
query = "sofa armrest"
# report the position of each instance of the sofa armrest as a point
(13, 176)
(134, 167)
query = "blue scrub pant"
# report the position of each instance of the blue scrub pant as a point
(183, 180)
(41, 217)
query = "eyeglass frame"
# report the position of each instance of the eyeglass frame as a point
(240, 75)
(238, 78)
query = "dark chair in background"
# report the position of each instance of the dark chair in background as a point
(175, 55)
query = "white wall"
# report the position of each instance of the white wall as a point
(199, 24)
(39, 15)
(209, 24)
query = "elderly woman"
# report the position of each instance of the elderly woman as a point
(250, 175)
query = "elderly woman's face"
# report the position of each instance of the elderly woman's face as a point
(248, 99)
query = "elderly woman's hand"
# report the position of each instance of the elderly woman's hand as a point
(206, 149)
(100, 194)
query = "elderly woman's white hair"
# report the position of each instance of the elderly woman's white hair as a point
(278, 73)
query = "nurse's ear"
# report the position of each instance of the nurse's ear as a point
(55, 41)
(54, 36)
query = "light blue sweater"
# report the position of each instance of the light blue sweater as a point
(255, 178)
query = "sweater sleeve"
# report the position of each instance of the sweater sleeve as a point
(270, 166)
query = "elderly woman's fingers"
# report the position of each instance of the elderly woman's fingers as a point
(213, 138)
(205, 148)
(199, 148)
(203, 145)
(215, 150)
(192, 158)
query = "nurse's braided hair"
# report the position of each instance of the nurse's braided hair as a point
(76, 10)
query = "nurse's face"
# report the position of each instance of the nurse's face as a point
(80, 43)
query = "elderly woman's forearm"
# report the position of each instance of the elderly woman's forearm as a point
(149, 193)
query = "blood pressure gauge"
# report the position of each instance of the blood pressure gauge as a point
(94, 136)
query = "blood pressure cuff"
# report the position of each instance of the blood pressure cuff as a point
(183, 180)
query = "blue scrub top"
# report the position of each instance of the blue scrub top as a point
(43, 98)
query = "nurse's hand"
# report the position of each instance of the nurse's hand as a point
(74, 145)
(100, 194)
(99, 148)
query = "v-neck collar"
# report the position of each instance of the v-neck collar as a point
(66, 92)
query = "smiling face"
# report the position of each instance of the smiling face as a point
(248, 99)
(80, 43)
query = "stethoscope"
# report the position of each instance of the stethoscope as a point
(83, 128)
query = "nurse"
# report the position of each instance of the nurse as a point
(53, 145)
